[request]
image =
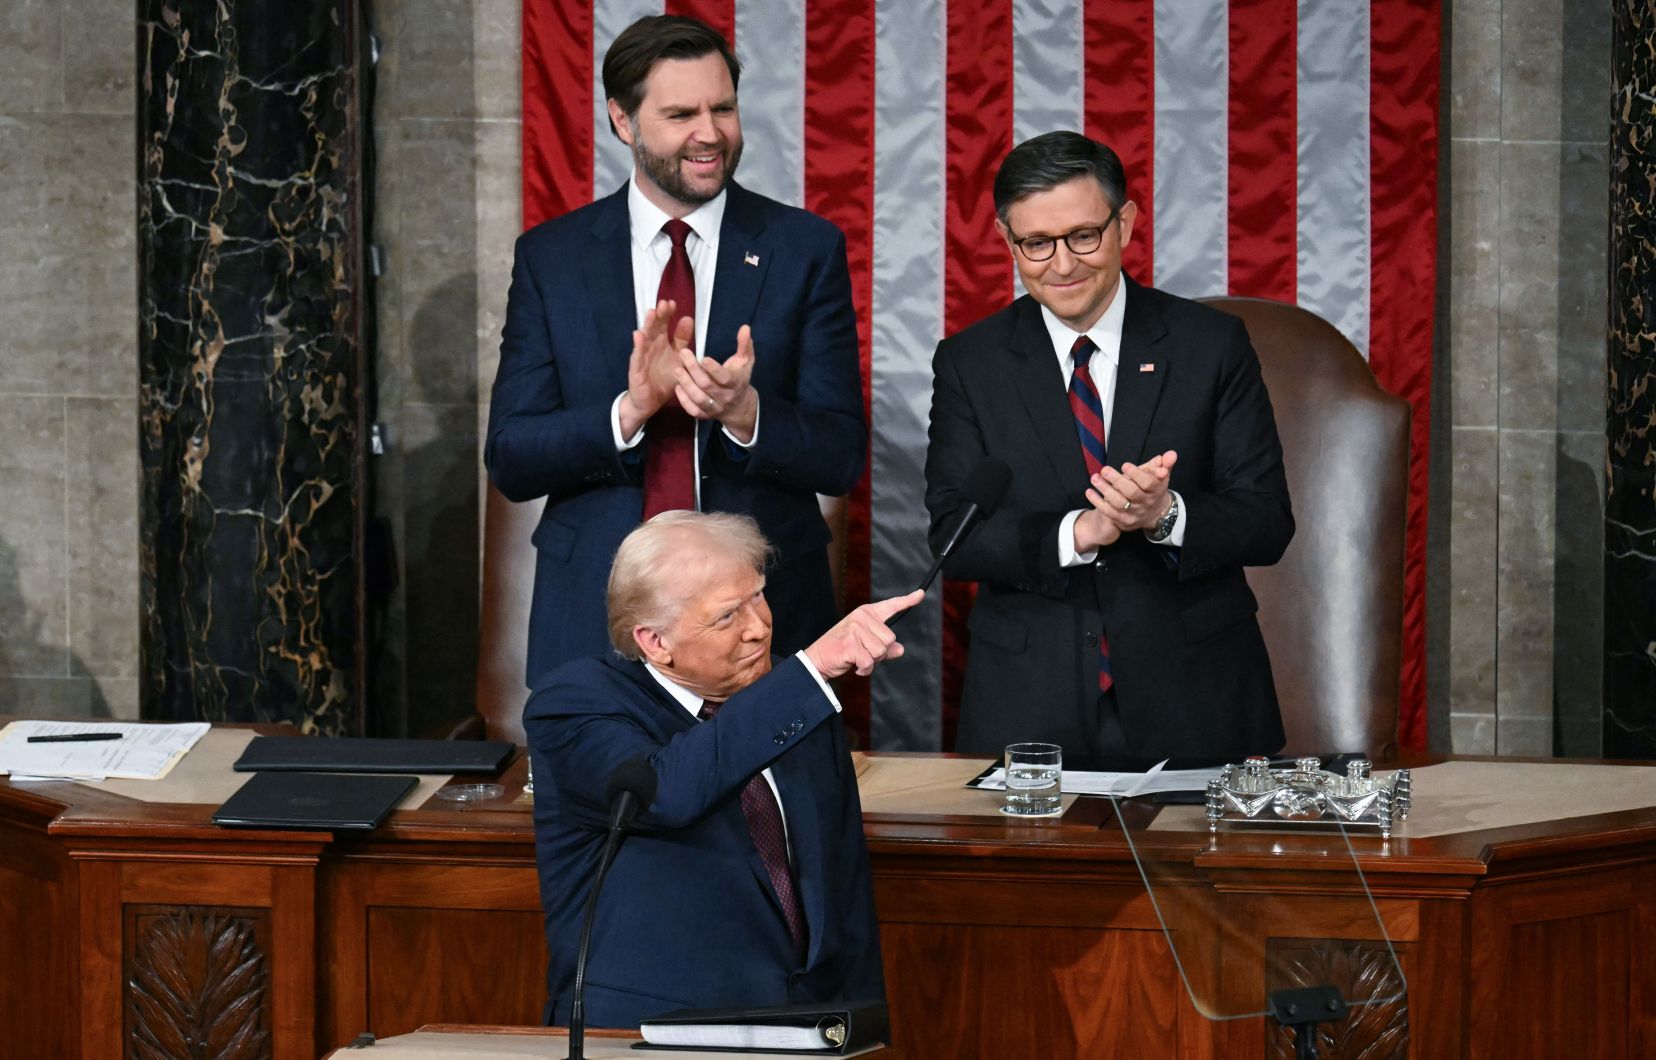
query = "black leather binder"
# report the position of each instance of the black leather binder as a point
(352, 754)
(845, 1030)
(313, 801)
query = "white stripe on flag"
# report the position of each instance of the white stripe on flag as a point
(1048, 71)
(770, 42)
(1334, 191)
(1192, 146)
(611, 161)
(907, 322)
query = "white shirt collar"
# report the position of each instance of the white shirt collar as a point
(681, 695)
(647, 218)
(1105, 332)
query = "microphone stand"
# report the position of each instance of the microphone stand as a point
(577, 1009)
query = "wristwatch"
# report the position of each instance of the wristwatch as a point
(1164, 526)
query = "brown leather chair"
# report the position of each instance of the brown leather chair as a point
(508, 589)
(1332, 608)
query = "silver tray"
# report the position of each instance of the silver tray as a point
(1307, 796)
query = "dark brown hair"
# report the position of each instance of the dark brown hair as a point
(1046, 161)
(648, 41)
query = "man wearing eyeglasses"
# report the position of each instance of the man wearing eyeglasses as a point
(1112, 615)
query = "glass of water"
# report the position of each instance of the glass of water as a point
(1034, 772)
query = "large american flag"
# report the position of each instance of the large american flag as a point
(1282, 149)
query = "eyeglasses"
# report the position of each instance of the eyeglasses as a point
(1079, 240)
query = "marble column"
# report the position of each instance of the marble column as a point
(1630, 508)
(249, 361)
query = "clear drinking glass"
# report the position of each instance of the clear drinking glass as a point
(1034, 775)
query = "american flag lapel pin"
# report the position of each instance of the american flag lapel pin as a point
(1147, 367)
(751, 258)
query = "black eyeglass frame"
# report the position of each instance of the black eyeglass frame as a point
(1023, 248)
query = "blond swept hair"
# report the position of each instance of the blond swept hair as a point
(639, 594)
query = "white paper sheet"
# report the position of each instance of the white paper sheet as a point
(1125, 785)
(144, 752)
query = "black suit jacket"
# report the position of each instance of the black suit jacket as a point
(688, 917)
(1191, 674)
(563, 359)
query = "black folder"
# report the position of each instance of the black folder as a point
(353, 754)
(859, 1026)
(314, 801)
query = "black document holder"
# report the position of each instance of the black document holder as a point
(865, 1023)
(353, 754)
(314, 801)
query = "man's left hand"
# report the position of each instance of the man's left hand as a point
(1134, 498)
(709, 390)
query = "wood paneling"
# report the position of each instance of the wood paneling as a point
(477, 951)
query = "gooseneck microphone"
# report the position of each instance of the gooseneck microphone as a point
(631, 789)
(983, 490)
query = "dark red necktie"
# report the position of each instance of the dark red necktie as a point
(1088, 409)
(764, 821)
(670, 445)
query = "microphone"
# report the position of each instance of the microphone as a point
(984, 489)
(631, 788)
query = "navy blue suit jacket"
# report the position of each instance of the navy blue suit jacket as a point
(687, 917)
(563, 359)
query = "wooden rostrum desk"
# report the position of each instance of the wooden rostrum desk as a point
(139, 929)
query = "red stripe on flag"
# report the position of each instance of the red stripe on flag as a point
(720, 14)
(1120, 107)
(1403, 154)
(1263, 153)
(557, 109)
(839, 185)
(978, 272)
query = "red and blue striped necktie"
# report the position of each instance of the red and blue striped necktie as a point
(1088, 409)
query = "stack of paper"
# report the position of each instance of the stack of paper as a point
(142, 752)
(1124, 785)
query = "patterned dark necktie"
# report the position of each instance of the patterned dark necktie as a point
(1088, 409)
(764, 821)
(669, 455)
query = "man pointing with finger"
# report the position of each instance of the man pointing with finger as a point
(746, 881)
(680, 344)
(1112, 615)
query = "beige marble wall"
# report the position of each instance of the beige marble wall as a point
(1528, 122)
(447, 131)
(68, 415)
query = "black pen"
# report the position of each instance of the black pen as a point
(76, 737)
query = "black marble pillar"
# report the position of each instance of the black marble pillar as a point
(1630, 506)
(249, 361)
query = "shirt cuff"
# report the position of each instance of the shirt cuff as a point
(1175, 539)
(811, 669)
(751, 442)
(1067, 556)
(622, 444)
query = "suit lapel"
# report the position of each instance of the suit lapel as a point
(1141, 370)
(608, 278)
(1045, 395)
(744, 258)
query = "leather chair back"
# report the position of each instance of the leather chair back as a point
(1332, 609)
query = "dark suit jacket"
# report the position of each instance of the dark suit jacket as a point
(563, 359)
(1191, 673)
(687, 916)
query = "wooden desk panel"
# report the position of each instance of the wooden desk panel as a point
(1530, 941)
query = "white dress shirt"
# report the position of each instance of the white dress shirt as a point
(693, 703)
(1106, 335)
(651, 248)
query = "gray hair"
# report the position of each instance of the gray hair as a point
(638, 592)
(1050, 159)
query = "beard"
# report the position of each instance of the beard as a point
(664, 172)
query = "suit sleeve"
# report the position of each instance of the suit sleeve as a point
(1014, 547)
(1242, 518)
(586, 730)
(814, 437)
(539, 443)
